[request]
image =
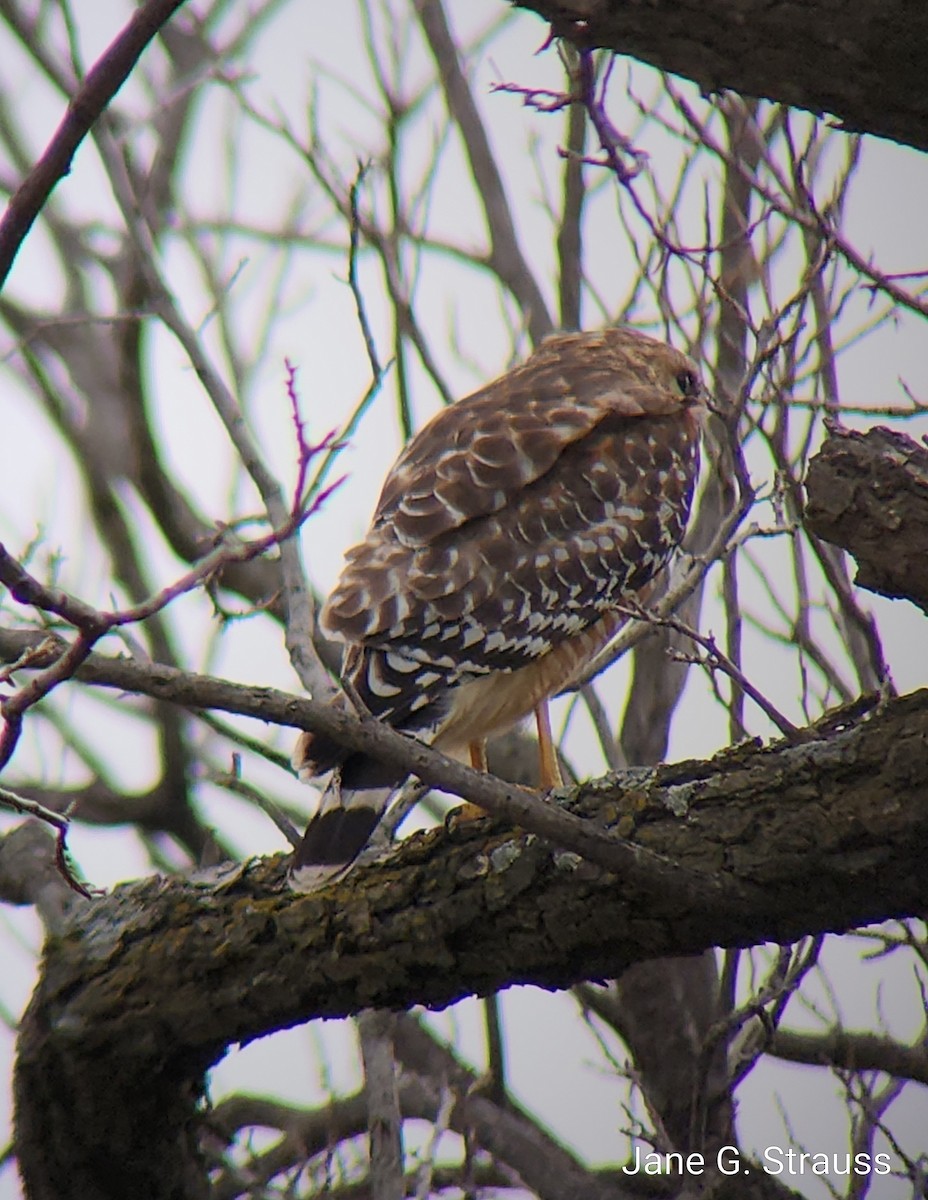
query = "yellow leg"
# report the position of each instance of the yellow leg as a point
(550, 772)
(478, 760)
(478, 756)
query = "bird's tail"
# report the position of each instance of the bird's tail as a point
(352, 804)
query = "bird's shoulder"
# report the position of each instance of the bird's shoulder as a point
(474, 456)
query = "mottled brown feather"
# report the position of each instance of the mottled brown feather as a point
(514, 523)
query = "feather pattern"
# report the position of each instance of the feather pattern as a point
(508, 531)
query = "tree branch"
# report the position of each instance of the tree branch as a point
(101, 85)
(516, 804)
(870, 76)
(155, 980)
(852, 1052)
(868, 493)
(506, 257)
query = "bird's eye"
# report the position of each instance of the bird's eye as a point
(688, 382)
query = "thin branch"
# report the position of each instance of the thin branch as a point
(517, 805)
(506, 257)
(93, 624)
(852, 1051)
(570, 227)
(106, 77)
(354, 239)
(717, 660)
(60, 824)
(496, 1049)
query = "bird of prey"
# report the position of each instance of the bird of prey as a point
(509, 533)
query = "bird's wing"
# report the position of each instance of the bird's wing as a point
(489, 498)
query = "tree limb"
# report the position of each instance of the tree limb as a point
(154, 982)
(868, 493)
(515, 804)
(101, 85)
(865, 65)
(851, 1051)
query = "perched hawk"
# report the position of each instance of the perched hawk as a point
(506, 534)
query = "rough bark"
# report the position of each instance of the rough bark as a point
(148, 986)
(868, 493)
(864, 62)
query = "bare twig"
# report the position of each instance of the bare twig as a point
(105, 79)
(93, 624)
(619, 154)
(354, 239)
(506, 257)
(60, 824)
(716, 660)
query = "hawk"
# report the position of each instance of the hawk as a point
(509, 531)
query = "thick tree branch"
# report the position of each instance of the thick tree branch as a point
(868, 493)
(513, 803)
(864, 62)
(154, 981)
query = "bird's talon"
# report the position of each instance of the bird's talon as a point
(463, 815)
